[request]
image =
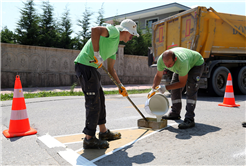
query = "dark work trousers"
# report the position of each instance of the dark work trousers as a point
(90, 81)
(192, 87)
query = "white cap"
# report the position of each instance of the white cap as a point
(128, 25)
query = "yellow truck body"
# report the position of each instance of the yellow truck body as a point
(219, 37)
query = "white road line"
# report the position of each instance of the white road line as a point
(51, 142)
(74, 158)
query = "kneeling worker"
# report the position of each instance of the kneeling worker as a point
(187, 67)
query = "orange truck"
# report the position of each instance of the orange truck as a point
(219, 37)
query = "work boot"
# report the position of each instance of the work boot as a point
(94, 143)
(108, 135)
(171, 117)
(187, 123)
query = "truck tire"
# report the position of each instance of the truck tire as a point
(217, 81)
(239, 81)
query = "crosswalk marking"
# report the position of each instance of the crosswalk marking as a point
(89, 156)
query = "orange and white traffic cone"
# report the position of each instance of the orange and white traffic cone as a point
(19, 122)
(229, 100)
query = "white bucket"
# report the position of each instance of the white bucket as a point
(157, 105)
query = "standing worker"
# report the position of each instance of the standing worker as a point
(103, 45)
(188, 66)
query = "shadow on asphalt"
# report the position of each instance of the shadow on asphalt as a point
(199, 130)
(143, 158)
(13, 139)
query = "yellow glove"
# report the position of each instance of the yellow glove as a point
(152, 92)
(123, 92)
(98, 59)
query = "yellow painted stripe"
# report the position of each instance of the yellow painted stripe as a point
(71, 138)
(127, 136)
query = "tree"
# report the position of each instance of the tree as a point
(48, 34)
(27, 27)
(100, 18)
(7, 36)
(84, 23)
(65, 31)
(138, 45)
(77, 43)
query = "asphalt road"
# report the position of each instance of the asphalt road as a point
(217, 139)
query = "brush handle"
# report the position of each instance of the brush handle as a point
(121, 89)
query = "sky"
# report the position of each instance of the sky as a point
(10, 9)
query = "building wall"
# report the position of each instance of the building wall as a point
(48, 67)
(142, 21)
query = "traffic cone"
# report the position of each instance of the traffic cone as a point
(19, 123)
(229, 100)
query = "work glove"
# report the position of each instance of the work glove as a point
(123, 92)
(151, 93)
(161, 88)
(98, 59)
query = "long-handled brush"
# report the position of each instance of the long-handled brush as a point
(121, 90)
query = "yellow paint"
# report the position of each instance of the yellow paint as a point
(70, 138)
(127, 136)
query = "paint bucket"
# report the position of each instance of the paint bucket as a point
(157, 105)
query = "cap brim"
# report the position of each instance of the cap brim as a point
(124, 29)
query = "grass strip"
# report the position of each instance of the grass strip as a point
(9, 96)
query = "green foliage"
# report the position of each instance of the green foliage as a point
(65, 31)
(84, 23)
(48, 27)
(7, 36)
(72, 87)
(138, 45)
(28, 26)
(100, 19)
(44, 30)
(77, 43)
(5, 97)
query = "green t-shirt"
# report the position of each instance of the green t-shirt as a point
(186, 59)
(108, 47)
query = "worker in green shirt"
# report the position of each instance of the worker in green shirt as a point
(187, 67)
(102, 46)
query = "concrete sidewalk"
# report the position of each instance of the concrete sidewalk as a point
(76, 89)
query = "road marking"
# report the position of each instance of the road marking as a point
(115, 150)
(74, 158)
(127, 137)
(89, 156)
(51, 142)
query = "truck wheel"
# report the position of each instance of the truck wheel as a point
(217, 81)
(239, 82)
